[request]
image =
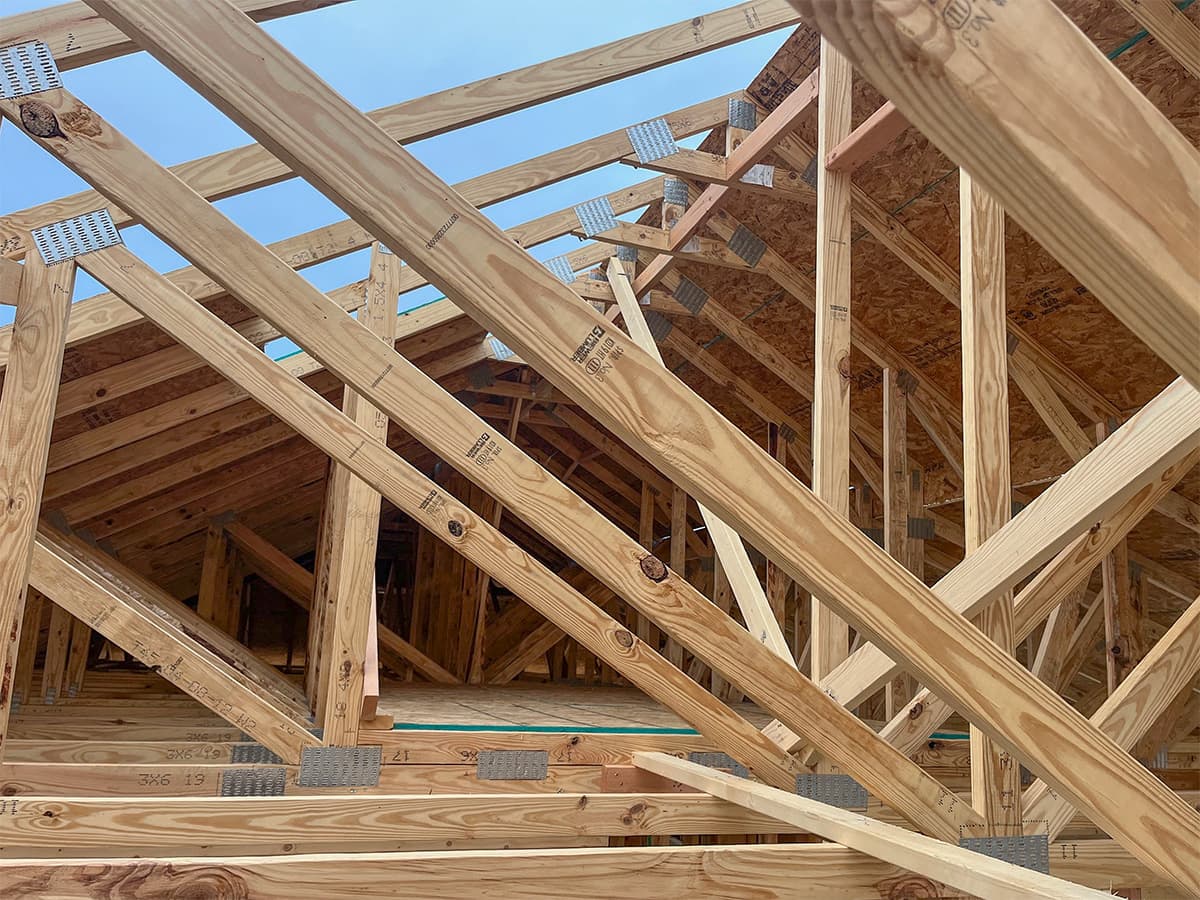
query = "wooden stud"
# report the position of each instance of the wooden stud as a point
(987, 507)
(348, 591)
(1166, 22)
(831, 392)
(26, 418)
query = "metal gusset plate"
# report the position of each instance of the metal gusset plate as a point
(60, 241)
(835, 789)
(659, 325)
(675, 191)
(719, 761)
(340, 766)
(652, 140)
(747, 245)
(27, 69)
(254, 754)
(262, 782)
(513, 765)
(1030, 851)
(691, 296)
(561, 267)
(742, 114)
(596, 216)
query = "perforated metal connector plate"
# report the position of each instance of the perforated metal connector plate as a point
(742, 114)
(921, 529)
(748, 245)
(787, 433)
(761, 174)
(60, 241)
(652, 140)
(480, 375)
(340, 766)
(659, 325)
(596, 216)
(513, 765)
(1030, 851)
(809, 175)
(719, 761)
(561, 267)
(27, 69)
(627, 254)
(875, 534)
(500, 349)
(837, 790)
(253, 782)
(675, 191)
(691, 296)
(254, 754)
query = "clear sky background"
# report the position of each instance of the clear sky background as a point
(379, 52)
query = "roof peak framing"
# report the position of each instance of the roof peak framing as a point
(245, 168)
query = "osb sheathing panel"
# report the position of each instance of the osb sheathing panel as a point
(919, 185)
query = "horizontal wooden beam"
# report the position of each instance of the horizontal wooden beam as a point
(879, 129)
(965, 870)
(741, 872)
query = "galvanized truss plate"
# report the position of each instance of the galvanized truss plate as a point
(922, 529)
(787, 433)
(513, 765)
(500, 350)
(264, 782)
(598, 274)
(749, 246)
(675, 190)
(1017, 506)
(1030, 851)
(596, 216)
(659, 325)
(254, 754)
(875, 534)
(561, 267)
(837, 790)
(691, 296)
(27, 69)
(652, 140)
(50, 696)
(809, 175)
(627, 254)
(719, 761)
(761, 174)
(60, 241)
(480, 375)
(340, 766)
(742, 114)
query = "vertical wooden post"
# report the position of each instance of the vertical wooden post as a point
(55, 663)
(31, 628)
(353, 520)
(679, 526)
(995, 777)
(217, 578)
(1124, 622)
(896, 503)
(646, 630)
(77, 657)
(26, 419)
(778, 583)
(831, 388)
(494, 512)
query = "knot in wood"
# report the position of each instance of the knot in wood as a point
(625, 639)
(455, 527)
(915, 710)
(653, 568)
(39, 120)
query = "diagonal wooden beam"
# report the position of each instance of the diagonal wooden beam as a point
(450, 521)
(410, 209)
(26, 421)
(1131, 710)
(981, 95)
(1080, 529)
(79, 37)
(236, 171)
(727, 544)
(111, 610)
(877, 131)
(959, 868)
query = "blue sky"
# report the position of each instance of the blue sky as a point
(378, 52)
